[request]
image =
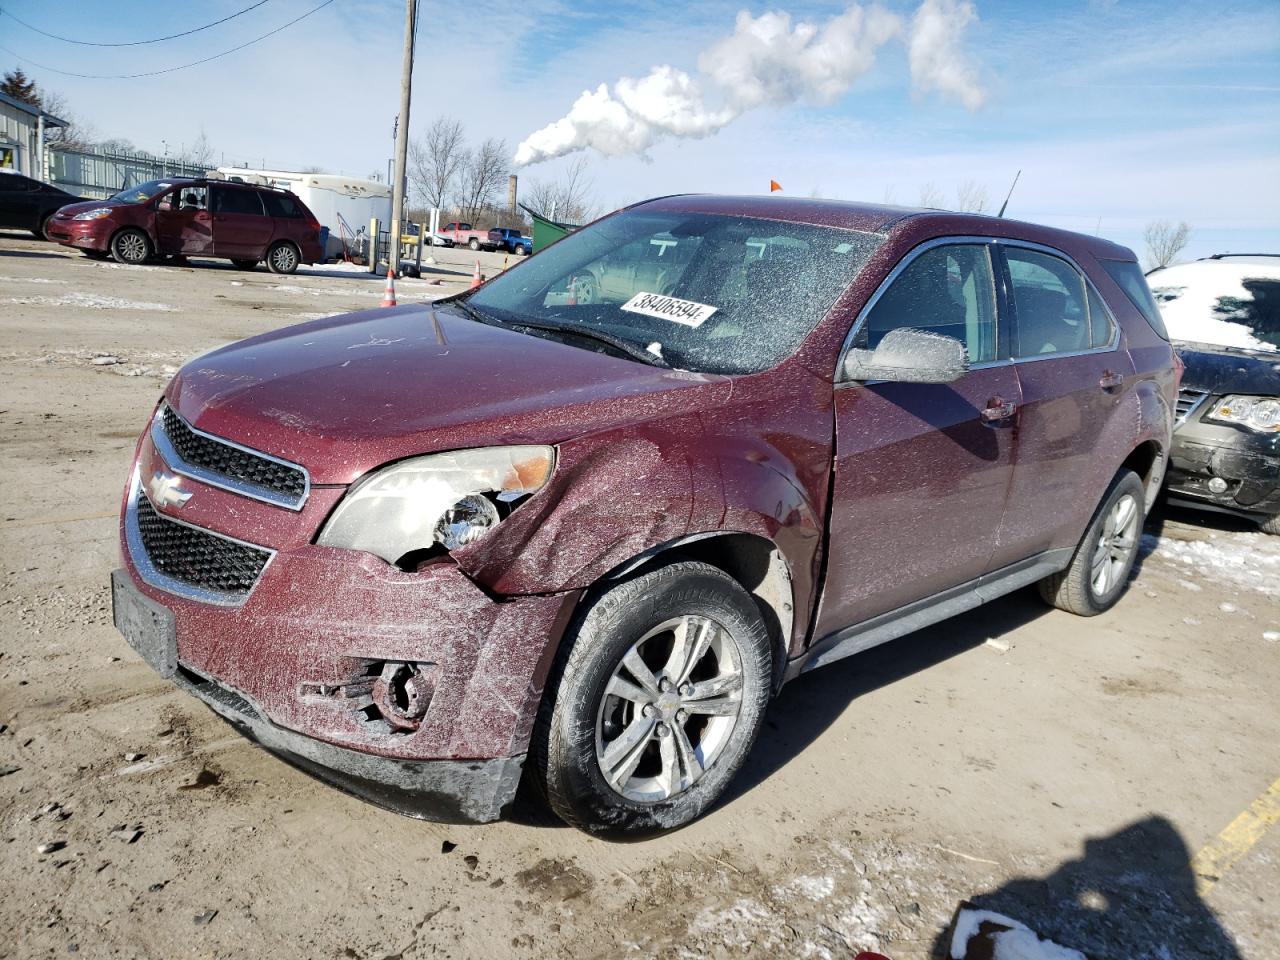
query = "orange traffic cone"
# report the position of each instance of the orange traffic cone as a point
(389, 296)
(476, 279)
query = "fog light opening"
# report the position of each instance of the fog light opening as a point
(402, 693)
(1218, 485)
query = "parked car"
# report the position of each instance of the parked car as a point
(591, 540)
(464, 235)
(1223, 313)
(511, 240)
(240, 222)
(28, 204)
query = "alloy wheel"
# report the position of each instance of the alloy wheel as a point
(1115, 547)
(132, 247)
(669, 709)
(283, 258)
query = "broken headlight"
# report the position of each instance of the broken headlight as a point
(442, 501)
(1258, 413)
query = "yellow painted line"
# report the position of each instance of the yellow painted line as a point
(41, 522)
(1229, 846)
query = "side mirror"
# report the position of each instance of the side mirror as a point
(907, 355)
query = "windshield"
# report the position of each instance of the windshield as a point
(1230, 304)
(710, 293)
(144, 191)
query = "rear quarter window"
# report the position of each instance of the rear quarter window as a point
(1128, 276)
(281, 205)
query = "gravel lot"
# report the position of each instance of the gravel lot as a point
(1063, 771)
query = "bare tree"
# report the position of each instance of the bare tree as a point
(971, 197)
(436, 160)
(201, 152)
(567, 199)
(1165, 240)
(482, 174)
(930, 195)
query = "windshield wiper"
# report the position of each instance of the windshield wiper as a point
(630, 349)
(474, 313)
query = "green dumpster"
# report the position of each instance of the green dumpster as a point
(547, 231)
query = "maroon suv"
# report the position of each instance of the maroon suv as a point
(194, 218)
(589, 529)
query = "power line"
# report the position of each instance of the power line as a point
(156, 73)
(131, 43)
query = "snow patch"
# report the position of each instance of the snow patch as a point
(810, 887)
(93, 301)
(1243, 560)
(1206, 301)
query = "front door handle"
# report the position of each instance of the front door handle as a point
(998, 409)
(1111, 381)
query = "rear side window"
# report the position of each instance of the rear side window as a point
(281, 205)
(1101, 323)
(947, 290)
(1050, 304)
(236, 201)
(1128, 275)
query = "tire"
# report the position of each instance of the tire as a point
(131, 246)
(474, 244)
(522, 251)
(282, 257)
(648, 726)
(42, 232)
(244, 264)
(1099, 570)
(586, 288)
(1271, 525)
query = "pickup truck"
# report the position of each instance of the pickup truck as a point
(462, 235)
(511, 240)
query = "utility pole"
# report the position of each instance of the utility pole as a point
(402, 133)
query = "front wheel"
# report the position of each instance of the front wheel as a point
(656, 698)
(1096, 577)
(1271, 525)
(282, 258)
(130, 246)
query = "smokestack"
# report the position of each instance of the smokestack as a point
(511, 194)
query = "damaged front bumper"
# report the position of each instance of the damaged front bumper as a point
(1225, 468)
(415, 690)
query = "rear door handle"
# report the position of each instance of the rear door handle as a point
(1111, 381)
(998, 409)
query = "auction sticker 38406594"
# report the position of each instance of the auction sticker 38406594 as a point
(687, 312)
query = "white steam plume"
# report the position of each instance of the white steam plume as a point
(938, 63)
(766, 61)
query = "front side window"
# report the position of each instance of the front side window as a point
(947, 290)
(189, 198)
(1050, 304)
(712, 293)
(231, 200)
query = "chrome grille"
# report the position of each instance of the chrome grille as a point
(1189, 401)
(228, 465)
(188, 560)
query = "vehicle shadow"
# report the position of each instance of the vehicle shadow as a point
(810, 704)
(1131, 894)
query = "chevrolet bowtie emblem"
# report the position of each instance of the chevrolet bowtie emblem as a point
(166, 490)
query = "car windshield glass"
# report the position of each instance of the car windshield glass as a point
(711, 293)
(1220, 302)
(143, 191)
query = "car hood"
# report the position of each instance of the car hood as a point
(346, 394)
(1221, 370)
(71, 209)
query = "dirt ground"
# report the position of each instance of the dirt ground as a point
(1063, 771)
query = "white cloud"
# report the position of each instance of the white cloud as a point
(936, 53)
(767, 61)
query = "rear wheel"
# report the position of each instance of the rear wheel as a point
(1271, 525)
(244, 264)
(42, 232)
(1099, 571)
(130, 245)
(282, 258)
(654, 703)
(474, 244)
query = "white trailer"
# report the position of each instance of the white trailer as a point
(329, 196)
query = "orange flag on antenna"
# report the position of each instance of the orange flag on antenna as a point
(774, 186)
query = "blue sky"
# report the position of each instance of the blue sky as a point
(1117, 113)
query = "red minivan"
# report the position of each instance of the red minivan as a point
(177, 217)
(585, 529)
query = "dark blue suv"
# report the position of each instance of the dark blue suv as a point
(510, 240)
